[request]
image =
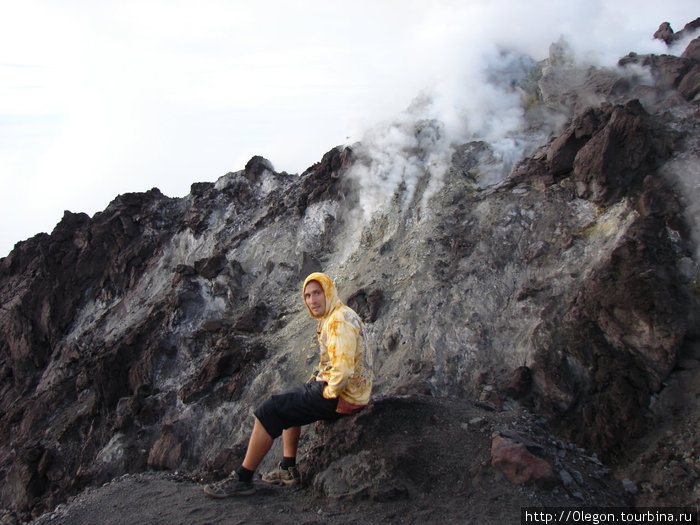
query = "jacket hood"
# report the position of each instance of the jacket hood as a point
(329, 289)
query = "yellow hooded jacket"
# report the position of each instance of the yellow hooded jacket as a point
(346, 359)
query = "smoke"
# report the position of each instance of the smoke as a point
(475, 92)
(483, 102)
(397, 154)
(685, 169)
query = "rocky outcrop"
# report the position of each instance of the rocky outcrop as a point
(398, 447)
(678, 73)
(140, 338)
(666, 33)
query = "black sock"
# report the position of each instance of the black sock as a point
(288, 462)
(244, 474)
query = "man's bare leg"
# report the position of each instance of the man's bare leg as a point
(286, 473)
(259, 444)
(290, 441)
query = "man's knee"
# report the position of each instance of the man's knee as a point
(267, 418)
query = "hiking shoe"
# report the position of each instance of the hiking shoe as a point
(282, 476)
(230, 486)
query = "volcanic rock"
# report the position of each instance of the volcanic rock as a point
(557, 303)
(518, 464)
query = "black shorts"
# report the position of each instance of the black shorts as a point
(294, 409)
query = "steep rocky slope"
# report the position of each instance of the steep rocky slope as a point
(553, 306)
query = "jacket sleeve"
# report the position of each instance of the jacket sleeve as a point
(342, 345)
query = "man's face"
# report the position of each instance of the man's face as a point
(315, 298)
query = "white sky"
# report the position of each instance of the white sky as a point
(99, 97)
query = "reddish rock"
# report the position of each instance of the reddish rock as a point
(251, 320)
(518, 464)
(693, 50)
(227, 460)
(256, 167)
(214, 367)
(617, 157)
(518, 384)
(690, 85)
(366, 303)
(323, 180)
(665, 33)
(166, 452)
(211, 266)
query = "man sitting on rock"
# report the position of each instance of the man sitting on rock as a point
(341, 386)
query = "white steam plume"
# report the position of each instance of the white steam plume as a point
(480, 105)
(471, 95)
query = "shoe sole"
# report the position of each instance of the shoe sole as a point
(221, 495)
(281, 481)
